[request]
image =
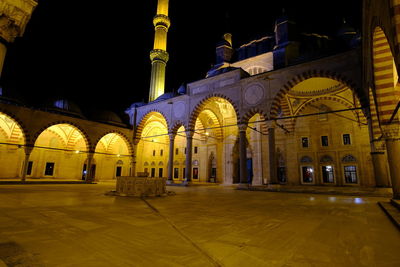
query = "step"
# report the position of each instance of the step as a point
(395, 203)
(392, 212)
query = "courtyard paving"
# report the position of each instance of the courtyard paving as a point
(78, 225)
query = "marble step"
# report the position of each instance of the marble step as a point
(392, 212)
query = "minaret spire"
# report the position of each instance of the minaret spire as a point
(159, 55)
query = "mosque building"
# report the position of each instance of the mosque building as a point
(291, 109)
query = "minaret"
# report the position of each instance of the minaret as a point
(159, 56)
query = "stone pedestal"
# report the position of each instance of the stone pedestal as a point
(141, 186)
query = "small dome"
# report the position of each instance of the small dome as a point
(106, 116)
(346, 29)
(182, 90)
(64, 106)
(219, 69)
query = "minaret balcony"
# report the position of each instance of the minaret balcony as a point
(161, 20)
(158, 54)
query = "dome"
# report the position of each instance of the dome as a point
(65, 106)
(346, 29)
(219, 69)
(182, 90)
(108, 117)
(5, 97)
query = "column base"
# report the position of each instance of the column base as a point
(186, 183)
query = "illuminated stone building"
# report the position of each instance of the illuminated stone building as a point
(290, 109)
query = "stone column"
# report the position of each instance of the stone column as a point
(28, 151)
(189, 144)
(273, 179)
(89, 174)
(135, 147)
(379, 160)
(243, 153)
(171, 158)
(391, 133)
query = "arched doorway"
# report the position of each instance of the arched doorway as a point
(112, 158)
(59, 152)
(153, 145)
(12, 141)
(215, 131)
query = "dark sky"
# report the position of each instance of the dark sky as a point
(96, 53)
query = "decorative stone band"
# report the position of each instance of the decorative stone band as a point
(14, 15)
(141, 186)
(391, 131)
(160, 55)
(161, 20)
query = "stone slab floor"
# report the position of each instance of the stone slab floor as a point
(78, 225)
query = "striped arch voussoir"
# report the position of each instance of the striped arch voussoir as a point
(85, 135)
(25, 132)
(249, 114)
(178, 124)
(305, 76)
(200, 106)
(143, 120)
(122, 135)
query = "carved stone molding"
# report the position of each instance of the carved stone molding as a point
(161, 20)
(14, 16)
(158, 54)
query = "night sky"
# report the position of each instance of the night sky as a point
(96, 53)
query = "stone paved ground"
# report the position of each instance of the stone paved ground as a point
(77, 225)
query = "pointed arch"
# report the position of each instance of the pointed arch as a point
(202, 104)
(275, 107)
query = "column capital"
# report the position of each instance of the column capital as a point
(14, 16)
(189, 133)
(271, 124)
(242, 127)
(28, 149)
(391, 131)
(378, 145)
(171, 136)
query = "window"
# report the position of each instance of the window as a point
(195, 173)
(176, 151)
(49, 171)
(346, 139)
(304, 142)
(282, 174)
(29, 168)
(324, 140)
(327, 174)
(176, 172)
(154, 153)
(185, 150)
(307, 173)
(153, 172)
(184, 173)
(118, 171)
(195, 150)
(160, 172)
(350, 174)
(161, 153)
